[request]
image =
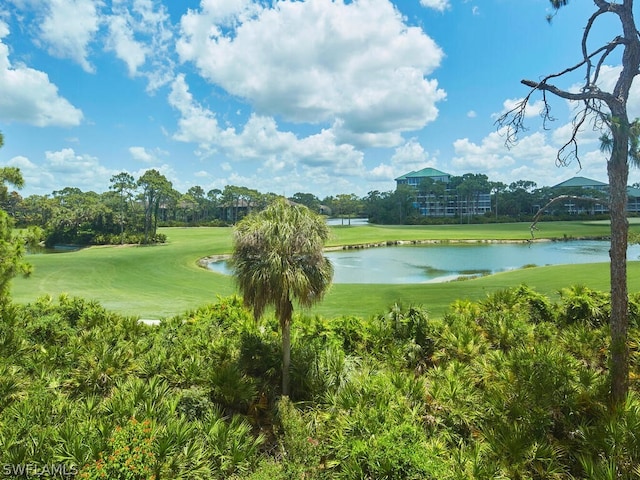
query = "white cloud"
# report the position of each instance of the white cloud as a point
(410, 156)
(472, 114)
(67, 168)
(407, 157)
(28, 95)
(23, 163)
(260, 139)
(532, 158)
(353, 64)
(142, 155)
(196, 124)
(141, 35)
(439, 5)
(282, 158)
(121, 40)
(607, 80)
(381, 173)
(35, 177)
(490, 154)
(323, 150)
(69, 27)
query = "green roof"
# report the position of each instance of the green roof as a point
(587, 182)
(425, 172)
(633, 192)
(580, 182)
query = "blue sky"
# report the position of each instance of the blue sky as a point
(316, 96)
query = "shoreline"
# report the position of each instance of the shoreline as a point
(205, 261)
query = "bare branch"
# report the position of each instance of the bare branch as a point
(585, 37)
(513, 120)
(559, 198)
(592, 93)
(610, 48)
(563, 158)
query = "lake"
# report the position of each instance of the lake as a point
(445, 262)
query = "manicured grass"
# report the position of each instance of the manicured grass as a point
(164, 280)
(503, 231)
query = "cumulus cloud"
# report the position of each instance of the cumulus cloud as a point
(196, 124)
(607, 80)
(439, 5)
(121, 40)
(64, 168)
(492, 153)
(68, 28)
(140, 34)
(407, 157)
(28, 96)
(381, 173)
(410, 156)
(323, 149)
(532, 158)
(260, 139)
(356, 65)
(35, 177)
(142, 155)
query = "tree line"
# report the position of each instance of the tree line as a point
(131, 210)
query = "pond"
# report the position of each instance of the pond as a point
(39, 249)
(441, 263)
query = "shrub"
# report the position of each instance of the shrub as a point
(130, 455)
(581, 304)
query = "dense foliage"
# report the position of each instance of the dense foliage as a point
(514, 386)
(131, 209)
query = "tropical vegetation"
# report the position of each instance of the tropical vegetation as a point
(512, 386)
(131, 210)
(277, 259)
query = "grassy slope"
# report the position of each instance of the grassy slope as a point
(165, 280)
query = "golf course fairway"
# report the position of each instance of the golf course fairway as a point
(164, 280)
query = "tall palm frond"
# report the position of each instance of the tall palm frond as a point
(277, 258)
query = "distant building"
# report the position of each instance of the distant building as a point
(444, 201)
(583, 183)
(436, 197)
(582, 186)
(414, 178)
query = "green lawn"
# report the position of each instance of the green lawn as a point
(164, 280)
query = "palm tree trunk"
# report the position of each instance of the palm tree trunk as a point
(285, 324)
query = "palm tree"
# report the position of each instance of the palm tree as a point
(277, 257)
(11, 246)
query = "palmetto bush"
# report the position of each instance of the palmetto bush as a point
(610, 447)
(514, 386)
(581, 304)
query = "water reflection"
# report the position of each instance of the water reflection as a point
(38, 249)
(440, 263)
